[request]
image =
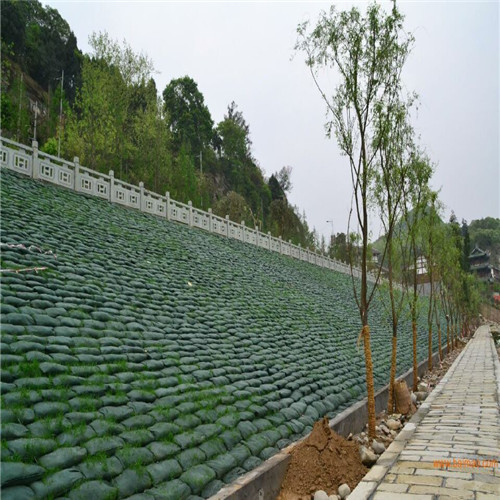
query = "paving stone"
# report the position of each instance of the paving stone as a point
(449, 427)
(414, 479)
(393, 487)
(438, 490)
(485, 496)
(473, 485)
(385, 495)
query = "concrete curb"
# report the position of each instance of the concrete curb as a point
(264, 482)
(375, 476)
(496, 363)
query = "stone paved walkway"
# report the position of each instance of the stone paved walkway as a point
(459, 422)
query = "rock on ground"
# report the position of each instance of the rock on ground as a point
(344, 490)
(422, 387)
(378, 448)
(367, 456)
(421, 395)
(321, 495)
(393, 424)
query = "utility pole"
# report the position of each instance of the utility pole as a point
(332, 237)
(60, 114)
(36, 109)
(201, 178)
(19, 112)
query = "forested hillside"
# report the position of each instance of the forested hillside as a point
(485, 233)
(105, 108)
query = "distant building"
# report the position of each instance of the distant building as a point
(422, 265)
(480, 264)
(423, 278)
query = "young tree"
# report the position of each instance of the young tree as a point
(284, 178)
(395, 139)
(466, 246)
(431, 229)
(234, 136)
(367, 53)
(414, 203)
(151, 138)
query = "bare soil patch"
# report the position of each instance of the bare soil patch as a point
(323, 461)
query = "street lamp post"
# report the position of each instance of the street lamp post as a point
(332, 236)
(201, 178)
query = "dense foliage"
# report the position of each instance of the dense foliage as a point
(41, 42)
(114, 118)
(153, 357)
(485, 233)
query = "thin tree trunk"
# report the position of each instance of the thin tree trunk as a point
(414, 315)
(438, 324)
(429, 323)
(439, 342)
(429, 364)
(452, 333)
(370, 389)
(447, 335)
(390, 401)
(415, 361)
(431, 308)
(392, 379)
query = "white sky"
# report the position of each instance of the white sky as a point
(243, 51)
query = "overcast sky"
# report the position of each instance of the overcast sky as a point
(243, 51)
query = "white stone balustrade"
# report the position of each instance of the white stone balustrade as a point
(38, 165)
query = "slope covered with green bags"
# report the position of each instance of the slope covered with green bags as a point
(151, 357)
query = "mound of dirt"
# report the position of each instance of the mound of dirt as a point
(323, 461)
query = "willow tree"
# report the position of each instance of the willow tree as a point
(366, 53)
(395, 138)
(415, 197)
(431, 233)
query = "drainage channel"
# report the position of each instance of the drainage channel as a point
(264, 482)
